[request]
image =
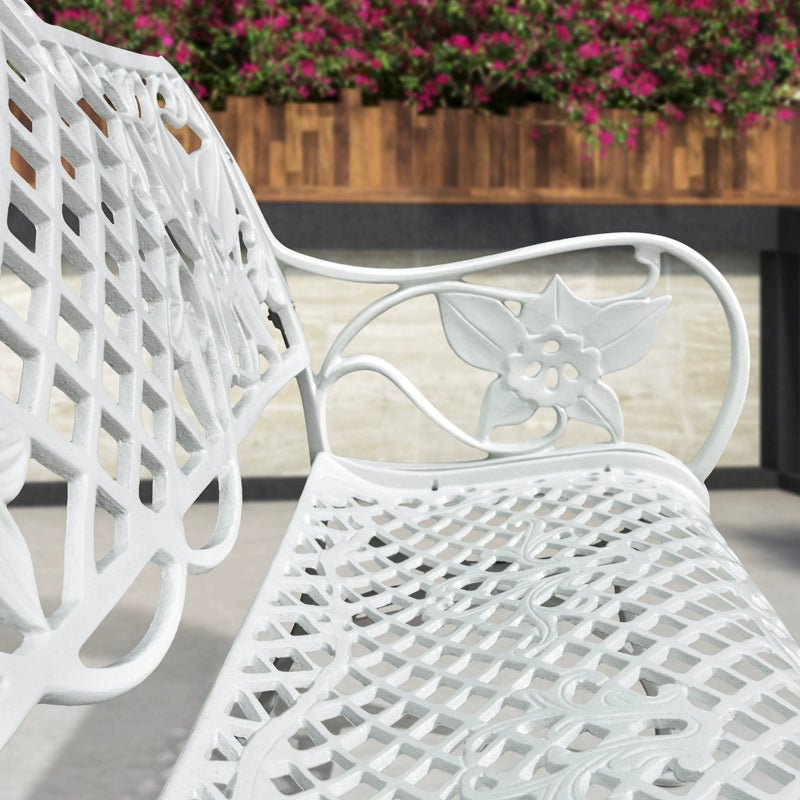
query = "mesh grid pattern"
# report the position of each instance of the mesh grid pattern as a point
(582, 635)
(162, 357)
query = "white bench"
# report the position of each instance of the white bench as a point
(542, 623)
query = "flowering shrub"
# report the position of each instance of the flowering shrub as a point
(737, 59)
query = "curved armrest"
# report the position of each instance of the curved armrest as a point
(442, 279)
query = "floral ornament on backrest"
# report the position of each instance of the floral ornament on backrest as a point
(553, 354)
(19, 598)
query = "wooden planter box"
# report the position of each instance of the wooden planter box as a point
(346, 151)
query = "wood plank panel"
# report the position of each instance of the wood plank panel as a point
(260, 180)
(450, 152)
(389, 153)
(371, 147)
(793, 155)
(388, 144)
(326, 148)
(341, 146)
(527, 156)
(404, 143)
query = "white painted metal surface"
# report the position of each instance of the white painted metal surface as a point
(175, 274)
(548, 624)
(570, 630)
(550, 331)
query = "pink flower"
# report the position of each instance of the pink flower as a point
(308, 37)
(248, 70)
(644, 85)
(280, 22)
(784, 114)
(442, 79)
(606, 139)
(639, 12)
(591, 116)
(681, 54)
(714, 105)
(167, 40)
(182, 53)
(460, 42)
(307, 69)
(617, 74)
(673, 112)
(589, 50)
(705, 70)
(567, 12)
(69, 15)
(563, 33)
(240, 27)
(479, 94)
(141, 22)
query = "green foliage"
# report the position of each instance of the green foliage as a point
(737, 59)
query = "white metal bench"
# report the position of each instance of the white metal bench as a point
(545, 623)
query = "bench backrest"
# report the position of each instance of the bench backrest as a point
(144, 258)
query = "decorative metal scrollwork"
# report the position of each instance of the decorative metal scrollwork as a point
(130, 226)
(552, 355)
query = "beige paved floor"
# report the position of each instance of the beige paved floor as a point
(121, 750)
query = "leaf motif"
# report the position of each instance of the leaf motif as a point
(556, 305)
(218, 197)
(598, 405)
(480, 330)
(501, 406)
(19, 597)
(15, 452)
(623, 332)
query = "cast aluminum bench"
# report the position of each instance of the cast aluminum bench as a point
(546, 623)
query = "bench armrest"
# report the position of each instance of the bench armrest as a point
(590, 323)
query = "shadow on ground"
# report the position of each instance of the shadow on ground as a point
(124, 749)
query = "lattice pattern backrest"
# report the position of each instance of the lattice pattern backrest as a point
(136, 237)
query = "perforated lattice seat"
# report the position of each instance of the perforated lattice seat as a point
(562, 634)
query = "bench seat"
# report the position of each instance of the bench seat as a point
(573, 628)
